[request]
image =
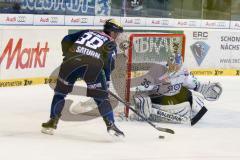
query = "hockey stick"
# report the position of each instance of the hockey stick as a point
(143, 118)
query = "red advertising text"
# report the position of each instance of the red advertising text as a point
(25, 57)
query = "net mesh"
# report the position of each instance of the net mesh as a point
(145, 50)
(154, 48)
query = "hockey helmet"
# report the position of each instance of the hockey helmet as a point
(174, 62)
(112, 25)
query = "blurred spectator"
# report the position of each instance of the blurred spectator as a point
(235, 10)
(132, 7)
(10, 7)
(16, 7)
(217, 9)
(182, 9)
(136, 5)
(103, 8)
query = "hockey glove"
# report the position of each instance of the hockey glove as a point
(210, 91)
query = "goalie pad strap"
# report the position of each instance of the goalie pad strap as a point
(198, 116)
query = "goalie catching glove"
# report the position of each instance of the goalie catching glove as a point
(210, 91)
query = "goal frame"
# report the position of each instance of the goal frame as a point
(129, 62)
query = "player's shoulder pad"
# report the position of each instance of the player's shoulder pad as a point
(110, 46)
(82, 32)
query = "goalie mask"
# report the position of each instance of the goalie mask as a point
(174, 62)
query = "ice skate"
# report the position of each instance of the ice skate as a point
(50, 126)
(113, 130)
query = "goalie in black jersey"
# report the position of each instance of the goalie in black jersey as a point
(88, 55)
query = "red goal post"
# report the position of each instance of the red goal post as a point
(153, 48)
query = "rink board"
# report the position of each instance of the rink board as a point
(29, 54)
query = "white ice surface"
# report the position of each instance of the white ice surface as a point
(23, 109)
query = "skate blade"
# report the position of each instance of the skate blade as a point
(49, 131)
(116, 136)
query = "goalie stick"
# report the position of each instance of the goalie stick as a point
(143, 118)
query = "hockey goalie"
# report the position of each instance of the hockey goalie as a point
(174, 95)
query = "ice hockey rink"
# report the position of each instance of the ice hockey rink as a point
(23, 109)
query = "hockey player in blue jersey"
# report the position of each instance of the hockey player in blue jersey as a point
(88, 55)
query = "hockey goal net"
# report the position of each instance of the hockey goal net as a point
(146, 50)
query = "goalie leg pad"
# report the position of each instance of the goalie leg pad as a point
(143, 105)
(198, 109)
(178, 113)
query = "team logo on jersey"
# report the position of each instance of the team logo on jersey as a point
(199, 50)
